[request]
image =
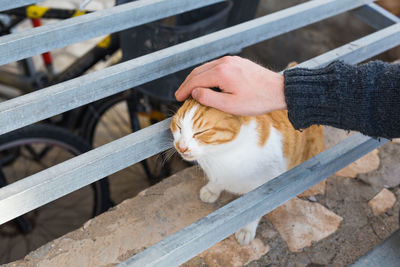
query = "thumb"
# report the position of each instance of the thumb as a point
(208, 97)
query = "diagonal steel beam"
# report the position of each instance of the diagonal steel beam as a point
(34, 41)
(7, 4)
(376, 16)
(62, 97)
(197, 237)
(57, 181)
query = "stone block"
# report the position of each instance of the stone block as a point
(229, 253)
(368, 163)
(300, 223)
(385, 176)
(318, 189)
(140, 222)
(382, 202)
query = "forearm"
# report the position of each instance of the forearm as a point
(364, 98)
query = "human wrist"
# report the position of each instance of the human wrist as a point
(280, 99)
(272, 96)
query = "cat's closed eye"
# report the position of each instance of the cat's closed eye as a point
(200, 132)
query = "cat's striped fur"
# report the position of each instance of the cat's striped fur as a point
(240, 153)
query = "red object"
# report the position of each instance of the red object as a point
(46, 56)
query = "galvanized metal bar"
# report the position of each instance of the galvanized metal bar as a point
(31, 42)
(7, 4)
(52, 183)
(376, 16)
(62, 97)
(359, 50)
(37, 190)
(185, 244)
(192, 240)
(385, 254)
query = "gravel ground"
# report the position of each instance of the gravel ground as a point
(360, 229)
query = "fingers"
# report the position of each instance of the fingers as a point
(205, 79)
(184, 89)
(204, 67)
(247, 88)
(202, 76)
(218, 100)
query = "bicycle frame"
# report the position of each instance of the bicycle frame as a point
(31, 79)
(37, 12)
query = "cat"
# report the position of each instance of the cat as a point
(240, 153)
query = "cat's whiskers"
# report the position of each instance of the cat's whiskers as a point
(171, 110)
(167, 155)
(164, 156)
(238, 154)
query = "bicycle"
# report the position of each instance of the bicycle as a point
(132, 109)
(27, 151)
(121, 114)
(146, 104)
(31, 79)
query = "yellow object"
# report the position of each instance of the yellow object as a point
(105, 42)
(79, 12)
(36, 12)
(155, 115)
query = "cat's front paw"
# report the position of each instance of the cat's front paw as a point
(244, 236)
(208, 196)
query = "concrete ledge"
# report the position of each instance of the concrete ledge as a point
(130, 227)
(173, 204)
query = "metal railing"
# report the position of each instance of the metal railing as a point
(38, 189)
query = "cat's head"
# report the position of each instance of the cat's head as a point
(199, 130)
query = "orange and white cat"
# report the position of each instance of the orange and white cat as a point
(240, 153)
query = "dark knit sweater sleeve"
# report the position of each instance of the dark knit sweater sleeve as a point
(365, 98)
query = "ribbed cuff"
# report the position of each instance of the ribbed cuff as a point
(364, 98)
(312, 95)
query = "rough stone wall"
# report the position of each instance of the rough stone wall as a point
(167, 207)
(130, 227)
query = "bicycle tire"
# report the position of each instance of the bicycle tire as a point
(107, 120)
(48, 143)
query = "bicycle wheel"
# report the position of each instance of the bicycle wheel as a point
(27, 151)
(113, 118)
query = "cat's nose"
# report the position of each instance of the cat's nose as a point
(182, 149)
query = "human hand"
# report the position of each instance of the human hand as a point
(247, 88)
